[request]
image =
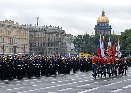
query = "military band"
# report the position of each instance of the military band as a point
(110, 65)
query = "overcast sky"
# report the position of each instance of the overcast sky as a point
(75, 16)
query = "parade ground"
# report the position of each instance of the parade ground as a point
(81, 82)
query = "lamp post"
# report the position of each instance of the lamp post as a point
(25, 48)
(34, 43)
(3, 47)
(45, 43)
(14, 47)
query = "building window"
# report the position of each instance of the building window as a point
(48, 43)
(43, 44)
(48, 39)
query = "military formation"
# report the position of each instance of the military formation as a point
(110, 65)
(109, 61)
(20, 66)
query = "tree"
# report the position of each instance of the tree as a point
(89, 44)
(125, 41)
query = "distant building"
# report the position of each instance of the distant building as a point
(103, 26)
(46, 40)
(69, 45)
(14, 38)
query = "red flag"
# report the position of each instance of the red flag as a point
(99, 52)
(114, 49)
(109, 50)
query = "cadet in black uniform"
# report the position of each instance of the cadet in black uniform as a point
(37, 66)
(43, 69)
(47, 66)
(75, 65)
(3, 68)
(30, 70)
(10, 68)
(19, 67)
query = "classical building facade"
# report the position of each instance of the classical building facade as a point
(46, 40)
(103, 26)
(69, 45)
(14, 38)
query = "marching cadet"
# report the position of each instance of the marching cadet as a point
(75, 65)
(25, 59)
(120, 66)
(81, 64)
(43, 66)
(63, 66)
(19, 67)
(59, 60)
(56, 64)
(30, 70)
(109, 65)
(68, 62)
(51, 66)
(90, 63)
(103, 66)
(94, 65)
(113, 65)
(47, 65)
(126, 64)
(3, 68)
(37, 66)
(87, 65)
(77, 59)
(15, 65)
(10, 68)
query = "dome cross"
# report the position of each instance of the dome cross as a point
(103, 13)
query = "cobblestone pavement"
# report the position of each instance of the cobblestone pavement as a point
(80, 82)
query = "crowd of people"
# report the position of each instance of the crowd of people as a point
(20, 66)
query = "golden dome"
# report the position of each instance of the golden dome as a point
(103, 18)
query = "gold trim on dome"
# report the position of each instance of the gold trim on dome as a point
(103, 19)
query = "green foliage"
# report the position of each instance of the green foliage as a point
(89, 44)
(125, 41)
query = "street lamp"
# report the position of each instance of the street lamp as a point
(25, 48)
(45, 43)
(34, 43)
(3, 47)
(34, 47)
(14, 47)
